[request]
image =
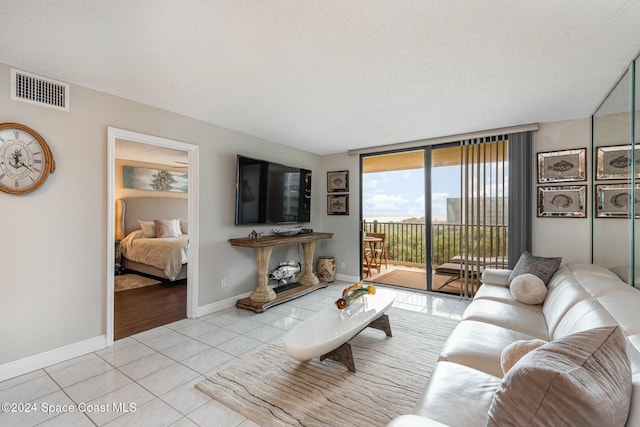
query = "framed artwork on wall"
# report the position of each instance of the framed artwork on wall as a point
(337, 182)
(613, 200)
(614, 162)
(567, 201)
(155, 179)
(338, 204)
(562, 166)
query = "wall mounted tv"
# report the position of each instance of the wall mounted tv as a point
(271, 193)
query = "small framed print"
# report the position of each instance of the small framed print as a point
(338, 204)
(568, 201)
(614, 162)
(337, 181)
(562, 166)
(614, 200)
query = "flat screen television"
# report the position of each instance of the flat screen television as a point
(271, 193)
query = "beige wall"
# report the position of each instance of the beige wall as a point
(569, 238)
(54, 240)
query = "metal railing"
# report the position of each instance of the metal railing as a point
(406, 242)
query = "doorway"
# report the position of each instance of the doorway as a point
(151, 142)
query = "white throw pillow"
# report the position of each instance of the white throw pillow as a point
(148, 228)
(528, 289)
(167, 227)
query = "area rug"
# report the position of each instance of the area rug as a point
(124, 282)
(272, 389)
(409, 279)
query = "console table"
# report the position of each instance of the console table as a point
(263, 296)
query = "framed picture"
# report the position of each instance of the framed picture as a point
(569, 201)
(614, 162)
(562, 166)
(338, 204)
(155, 179)
(613, 200)
(337, 181)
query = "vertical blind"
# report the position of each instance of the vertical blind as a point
(485, 206)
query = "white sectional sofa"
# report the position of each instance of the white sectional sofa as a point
(468, 373)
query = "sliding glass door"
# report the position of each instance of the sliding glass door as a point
(394, 246)
(434, 218)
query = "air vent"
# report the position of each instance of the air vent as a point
(34, 89)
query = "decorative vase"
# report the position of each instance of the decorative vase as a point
(326, 269)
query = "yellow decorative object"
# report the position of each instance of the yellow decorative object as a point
(352, 293)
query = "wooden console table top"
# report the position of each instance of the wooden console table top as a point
(275, 240)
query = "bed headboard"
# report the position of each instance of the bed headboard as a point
(150, 208)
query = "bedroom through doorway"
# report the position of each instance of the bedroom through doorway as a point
(152, 190)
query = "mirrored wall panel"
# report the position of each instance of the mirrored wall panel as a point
(615, 181)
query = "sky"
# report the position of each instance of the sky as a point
(400, 194)
(396, 195)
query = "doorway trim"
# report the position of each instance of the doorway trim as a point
(113, 134)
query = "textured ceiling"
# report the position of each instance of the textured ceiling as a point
(332, 75)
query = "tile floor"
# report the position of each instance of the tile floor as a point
(148, 379)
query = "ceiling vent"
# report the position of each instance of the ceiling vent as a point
(39, 90)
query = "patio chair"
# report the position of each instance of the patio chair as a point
(380, 251)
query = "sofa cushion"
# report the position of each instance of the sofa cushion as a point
(542, 267)
(528, 289)
(457, 386)
(580, 379)
(524, 318)
(479, 345)
(516, 350)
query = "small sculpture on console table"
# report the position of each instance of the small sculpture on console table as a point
(287, 272)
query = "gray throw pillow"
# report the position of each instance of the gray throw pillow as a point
(542, 267)
(583, 379)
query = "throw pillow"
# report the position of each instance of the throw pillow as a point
(148, 228)
(167, 227)
(184, 226)
(528, 289)
(516, 350)
(542, 267)
(578, 380)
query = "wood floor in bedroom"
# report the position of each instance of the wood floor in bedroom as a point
(141, 309)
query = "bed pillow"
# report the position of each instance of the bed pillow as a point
(167, 227)
(528, 289)
(184, 226)
(148, 228)
(578, 380)
(542, 267)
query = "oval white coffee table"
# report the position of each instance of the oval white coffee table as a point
(326, 333)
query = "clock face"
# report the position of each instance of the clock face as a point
(25, 159)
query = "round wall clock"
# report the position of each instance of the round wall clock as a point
(25, 159)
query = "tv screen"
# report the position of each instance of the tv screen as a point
(271, 193)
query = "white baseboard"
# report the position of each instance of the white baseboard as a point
(347, 278)
(51, 357)
(203, 310)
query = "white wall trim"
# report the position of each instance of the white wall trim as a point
(220, 305)
(51, 357)
(347, 278)
(114, 134)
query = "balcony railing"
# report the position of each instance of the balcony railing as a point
(406, 242)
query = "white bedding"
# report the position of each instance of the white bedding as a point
(167, 253)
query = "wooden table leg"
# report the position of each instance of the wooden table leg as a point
(263, 293)
(343, 355)
(308, 278)
(382, 324)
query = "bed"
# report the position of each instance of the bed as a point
(162, 253)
